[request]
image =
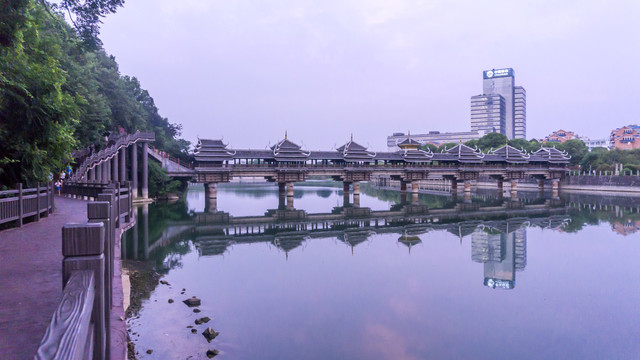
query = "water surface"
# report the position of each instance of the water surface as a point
(554, 278)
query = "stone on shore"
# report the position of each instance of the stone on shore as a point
(212, 353)
(210, 334)
(192, 301)
(203, 320)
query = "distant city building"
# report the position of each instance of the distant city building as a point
(501, 108)
(595, 143)
(560, 136)
(519, 113)
(436, 138)
(625, 138)
(501, 82)
(488, 113)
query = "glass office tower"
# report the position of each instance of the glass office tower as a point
(488, 113)
(520, 113)
(501, 82)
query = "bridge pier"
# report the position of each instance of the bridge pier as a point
(289, 195)
(467, 186)
(514, 189)
(145, 170)
(345, 191)
(134, 170)
(414, 192)
(123, 165)
(211, 196)
(114, 168)
(555, 186)
(356, 193)
(105, 171)
(282, 195)
(500, 186)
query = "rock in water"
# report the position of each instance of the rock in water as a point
(210, 334)
(170, 301)
(196, 310)
(212, 353)
(192, 301)
(164, 282)
(149, 351)
(203, 320)
(194, 331)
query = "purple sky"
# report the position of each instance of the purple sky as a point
(247, 71)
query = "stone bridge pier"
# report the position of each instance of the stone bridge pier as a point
(211, 197)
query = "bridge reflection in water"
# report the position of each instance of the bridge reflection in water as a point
(497, 228)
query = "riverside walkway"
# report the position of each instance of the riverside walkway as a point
(31, 278)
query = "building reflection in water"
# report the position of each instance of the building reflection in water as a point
(500, 245)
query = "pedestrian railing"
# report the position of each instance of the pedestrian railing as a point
(80, 327)
(20, 204)
(109, 152)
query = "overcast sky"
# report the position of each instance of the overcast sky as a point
(246, 71)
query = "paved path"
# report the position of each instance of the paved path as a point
(31, 278)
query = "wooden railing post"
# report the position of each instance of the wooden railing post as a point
(50, 195)
(127, 217)
(117, 204)
(37, 201)
(83, 249)
(20, 205)
(100, 212)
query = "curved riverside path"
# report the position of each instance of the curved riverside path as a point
(31, 278)
(31, 281)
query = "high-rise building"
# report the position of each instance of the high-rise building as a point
(488, 113)
(519, 113)
(501, 82)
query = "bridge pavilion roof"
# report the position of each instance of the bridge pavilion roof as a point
(507, 154)
(212, 150)
(551, 155)
(286, 150)
(355, 237)
(461, 153)
(409, 143)
(353, 152)
(415, 156)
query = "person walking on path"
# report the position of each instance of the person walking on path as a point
(58, 185)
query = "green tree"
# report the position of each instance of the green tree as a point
(576, 148)
(447, 146)
(37, 117)
(472, 143)
(492, 141)
(429, 147)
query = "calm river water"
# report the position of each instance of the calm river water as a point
(546, 279)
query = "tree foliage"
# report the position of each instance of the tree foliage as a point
(57, 95)
(492, 141)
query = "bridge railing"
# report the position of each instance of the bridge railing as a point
(377, 166)
(19, 204)
(81, 326)
(109, 152)
(164, 155)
